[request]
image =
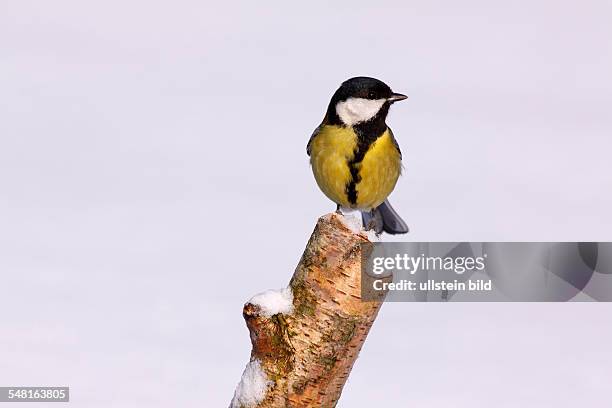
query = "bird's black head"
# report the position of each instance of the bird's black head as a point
(359, 100)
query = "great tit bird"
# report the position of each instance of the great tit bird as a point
(355, 159)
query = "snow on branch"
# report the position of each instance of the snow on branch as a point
(272, 302)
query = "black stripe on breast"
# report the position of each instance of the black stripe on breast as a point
(367, 133)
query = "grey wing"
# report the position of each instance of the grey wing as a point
(395, 142)
(314, 134)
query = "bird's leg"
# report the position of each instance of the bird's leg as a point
(338, 209)
(372, 220)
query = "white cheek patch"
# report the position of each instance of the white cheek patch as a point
(356, 110)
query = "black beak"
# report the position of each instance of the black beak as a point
(396, 97)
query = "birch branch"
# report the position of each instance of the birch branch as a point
(306, 338)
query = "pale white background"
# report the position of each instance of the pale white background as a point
(153, 177)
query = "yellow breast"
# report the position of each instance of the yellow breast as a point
(331, 151)
(378, 172)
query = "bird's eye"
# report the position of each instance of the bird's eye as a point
(371, 95)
